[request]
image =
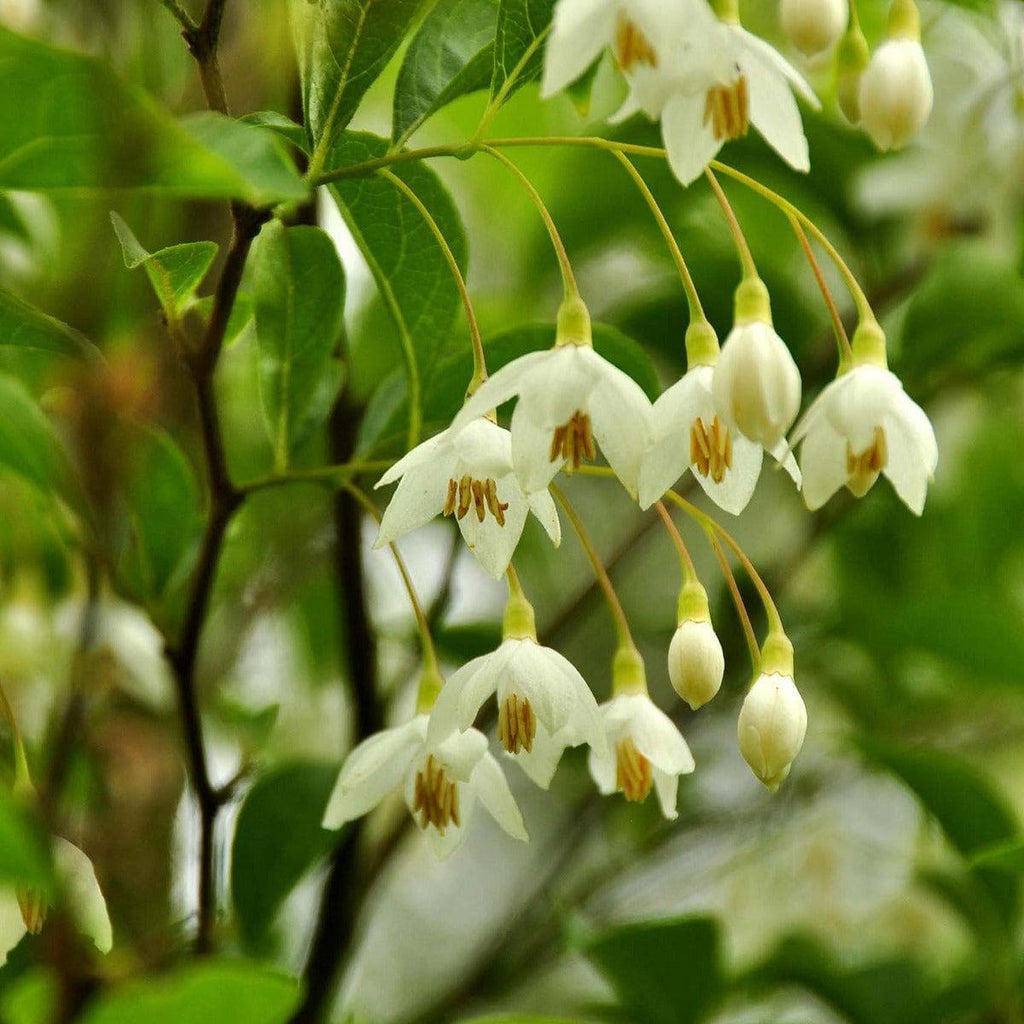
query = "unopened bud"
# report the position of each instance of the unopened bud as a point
(813, 26)
(696, 663)
(771, 727)
(852, 58)
(896, 93)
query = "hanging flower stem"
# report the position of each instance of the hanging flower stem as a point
(568, 277)
(737, 598)
(479, 362)
(709, 524)
(431, 668)
(693, 299)
(22, 778)
(845, 352)
(689, 570)
(746, 257)
(615, 606)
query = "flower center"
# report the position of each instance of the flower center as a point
(863, 469)
(727, 110)
(711, 449)
(482, 495)
(573, 442)
(33, 909)
(517, 724)
(632, 771)
(631, 46)
(436, 797)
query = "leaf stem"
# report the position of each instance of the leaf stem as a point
(693, 299)
(614, 605)
(479, 361)
(568, 277)
(746, 258)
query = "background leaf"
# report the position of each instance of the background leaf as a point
(24, 857)
(278, 838)
(29, 330)
(450, 56)
(299, 295)
(229, 992)
(518, 49)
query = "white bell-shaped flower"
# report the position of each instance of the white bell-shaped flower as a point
(896, 93)
(24, 912)
(756, 383)
(862, 425)
(813, 26)
(468, 474)
(572, 401)
(645, 749)
(440, 780)
(544, 704)
(723, 80)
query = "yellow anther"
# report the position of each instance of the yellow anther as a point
(465, 496)
(727, 110)
(711, 449)
(33, 909)
(633, 775)
(453, 496)
(631, 46)
(480, 495)
(497, 507)
(517, 724)
(573, 442)
(862, 470)
(479, 501)
(435, 797)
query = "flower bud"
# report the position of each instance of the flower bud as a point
(696, 663)
(771, 727)
(756, 385)
(895, 93)
(852, 58)
(813, 26)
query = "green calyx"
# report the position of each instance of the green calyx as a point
(904, 21)
(727, 11)
(628, 673)
(573, 323)
(693, 604)
(431, 682)
(519, 622)
(852, 57)
(702, 346)
(868, 345)
(752, 304)
(777, 655)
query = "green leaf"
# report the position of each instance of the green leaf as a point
(175, 272)
(410, 269)
(24, 854)
(278, 838)
(450, 56)
(299, 294)
(241, 313)
(518, 49)
(387, 413)
(163, 503)
(663, 972)
(28, 444)
(346, 44)
(1002, 856)
(283, 126)
(76, 127)
(31, 998)
(28, 329)
(228, 992)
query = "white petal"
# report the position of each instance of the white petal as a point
(484, 449)
(783, 455)
(372, 770)
(866, 396)
(464, 693)
(498, 389)
(775, 114)
(620, 416)
(823, 461)
(672, 416)
(543, 507)
(733, 494)
(419, 497)
(531, 449)
(581, 30)
(658, 739)
(666, 784)
(689, 142)
(492, 544)
(443, 846)
(84, 899)
(602, 766)
(551, 684)
(12, 924)
(491, 787)
(460, 752)
(912, 452)
(541, 762)
(427, 451)
(757, 47)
